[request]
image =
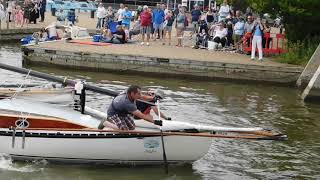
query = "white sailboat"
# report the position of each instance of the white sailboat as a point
(30, 129)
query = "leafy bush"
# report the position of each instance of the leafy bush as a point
(300, 52)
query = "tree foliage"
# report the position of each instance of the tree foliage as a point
(301, 17)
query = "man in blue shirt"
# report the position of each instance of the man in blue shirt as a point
(126, 15)
(158, 19)
(257, 39)
(196, 13)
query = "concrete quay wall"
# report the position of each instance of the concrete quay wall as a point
(165, 66)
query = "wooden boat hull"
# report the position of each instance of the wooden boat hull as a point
(105, 148)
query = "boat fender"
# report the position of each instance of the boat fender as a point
(78, 87)
(80, 90)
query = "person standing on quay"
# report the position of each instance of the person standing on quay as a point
(43, 4)
(126, 17)
(158, 19)
(196, 13)
(224, 11)
(101, 13)
(168, 27)
(180, 25)
(119, 13)
(145, 20)
(257, 39)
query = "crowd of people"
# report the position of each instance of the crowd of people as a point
(23, 14)
(222, 26)
(149, 23)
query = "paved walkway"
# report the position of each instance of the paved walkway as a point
(156, 49)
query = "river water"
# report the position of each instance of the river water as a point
(213, 102)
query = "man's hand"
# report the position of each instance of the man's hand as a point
(156, 98)
(157, 122)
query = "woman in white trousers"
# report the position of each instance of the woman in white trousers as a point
(257, 40)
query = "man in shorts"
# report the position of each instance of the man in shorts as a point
(145, 21)
(123, 107)
(195, 13)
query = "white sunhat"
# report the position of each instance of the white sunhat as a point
(145, 7)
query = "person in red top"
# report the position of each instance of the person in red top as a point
(145, 20)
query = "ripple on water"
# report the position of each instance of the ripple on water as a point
(6, 164)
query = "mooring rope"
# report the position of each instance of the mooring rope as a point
(21, 85)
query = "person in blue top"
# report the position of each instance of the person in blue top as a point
(158, 19)
(257, 39)
(238, 32)
(196, 13)
(126, 15)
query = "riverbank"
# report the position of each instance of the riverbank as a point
(159, 59)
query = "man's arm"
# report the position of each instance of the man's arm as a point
(155, 109)
(147, 97)
(143, 116)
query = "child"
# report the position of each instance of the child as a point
(126, 30)
(106, 35)
(19, 16)
(202, 40)
(61, 17)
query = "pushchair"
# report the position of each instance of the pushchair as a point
(202, 40)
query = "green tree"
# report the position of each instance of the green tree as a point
(301, 17)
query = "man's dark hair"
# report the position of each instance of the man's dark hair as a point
(133, 88)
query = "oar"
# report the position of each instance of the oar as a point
(275, 136)
(166, 167)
